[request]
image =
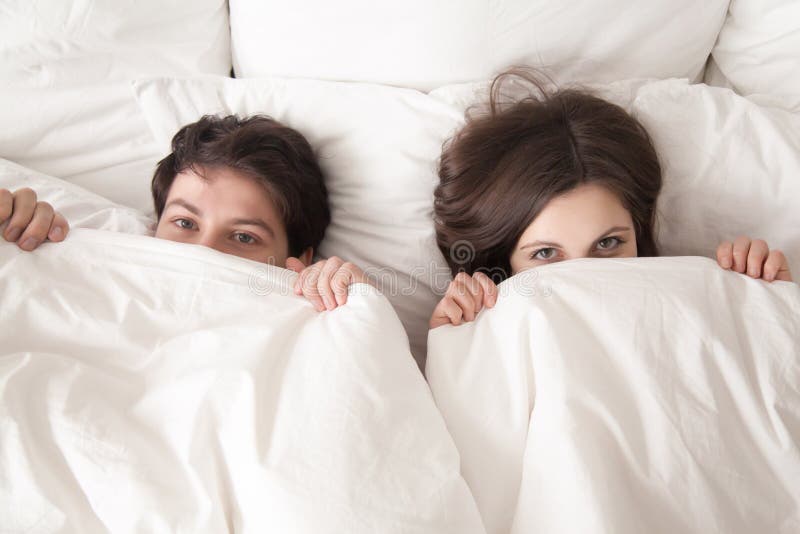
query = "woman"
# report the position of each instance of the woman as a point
(563, 176)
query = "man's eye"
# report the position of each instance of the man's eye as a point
(609, 243)
(245, 239)
(186, 224)
(544, 254)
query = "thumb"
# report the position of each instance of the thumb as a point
(294, 264)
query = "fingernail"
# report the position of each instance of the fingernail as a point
(57, 232)
(327, 302)
(29, 244)
(13, 234)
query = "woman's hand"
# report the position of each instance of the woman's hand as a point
(30, 222)
(325, 283)
(465, 297)
(753, 258)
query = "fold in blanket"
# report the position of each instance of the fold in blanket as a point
(151, 386)
(656, 395)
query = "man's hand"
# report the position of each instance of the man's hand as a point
(30, 222)
(325, 283)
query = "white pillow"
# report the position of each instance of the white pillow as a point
(758, 50)
(92, 136)
(81, 208)
(51, 43)
(424, 44)
(378, 148)
(730, 167)
(64, 74)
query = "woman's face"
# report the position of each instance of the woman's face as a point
(587, 222)
(225, 210)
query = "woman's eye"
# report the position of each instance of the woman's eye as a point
(544, 254)
(608, 243)
(245, 239)
(186, 224)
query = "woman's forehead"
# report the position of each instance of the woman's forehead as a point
(583, 211)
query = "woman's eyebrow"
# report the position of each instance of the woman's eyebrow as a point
(190, 207)
(613, 229)
(255, 222)
(553, 244)
(540, 244)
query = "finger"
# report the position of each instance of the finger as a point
(348, 274)
(6, 204)
(489, 289)
(776, 267)
(784, 274)
(339, 284)
(300, 282)
(24, 204)
(437, 321)
(725, 254)
(452, 311)
(309, 286)
(58, 229)
(330, 268)
(461, 295)
(357, 276)
(475, 289)
(756, 256)
(36, 231)
(446, 312)
(741, 246)
(438, 317)
(294, 264)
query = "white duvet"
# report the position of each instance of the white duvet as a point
(649, 395)
(151, 386)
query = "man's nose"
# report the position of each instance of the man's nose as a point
(211, 240)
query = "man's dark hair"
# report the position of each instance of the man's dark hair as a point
(276, 156)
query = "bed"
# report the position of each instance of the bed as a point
(149, 386)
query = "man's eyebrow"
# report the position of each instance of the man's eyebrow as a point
(180, 202)
(557, 245)
(255, 222)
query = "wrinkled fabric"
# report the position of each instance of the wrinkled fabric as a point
(152, 386)
(656, 395)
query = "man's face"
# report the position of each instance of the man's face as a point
(225, 210)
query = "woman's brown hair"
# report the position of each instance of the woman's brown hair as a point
(276, 156)
(503, 167)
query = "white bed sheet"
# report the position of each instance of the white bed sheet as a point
(152, 386)
(656, 395)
